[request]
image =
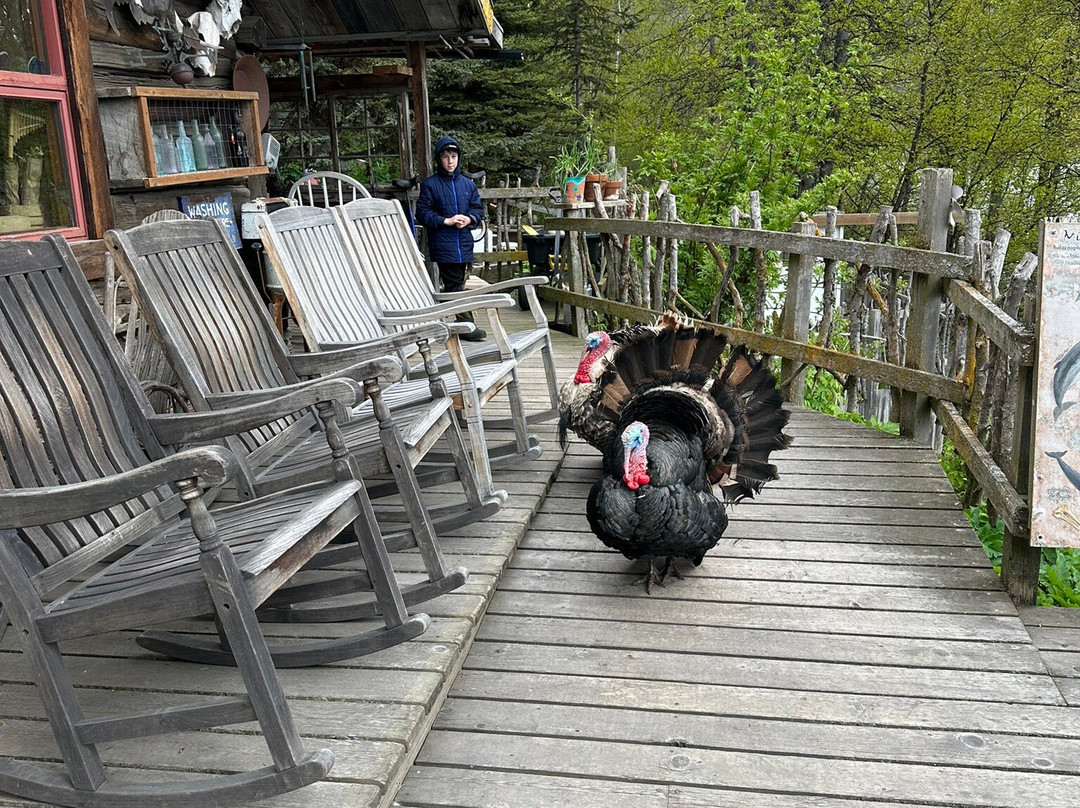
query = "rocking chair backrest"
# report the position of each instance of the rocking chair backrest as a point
(321, 277)
(71, 409)
(208, 317)
(389, 258)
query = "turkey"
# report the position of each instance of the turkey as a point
(679, 440)
(579, 397)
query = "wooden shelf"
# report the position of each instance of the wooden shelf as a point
(127, 114)
(204, 176)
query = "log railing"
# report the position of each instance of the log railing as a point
(962, 364)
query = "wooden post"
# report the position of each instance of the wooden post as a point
(421, 120)
(761, 268)
(95, 190)
(795, 319)
(673, 254)
(1019, 560)
(646, 255)
(405, 155)
(578, 325)
(935, 198)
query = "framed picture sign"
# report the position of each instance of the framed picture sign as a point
(1055, 495)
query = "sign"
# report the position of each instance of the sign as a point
(213, 207)
(1055, 495)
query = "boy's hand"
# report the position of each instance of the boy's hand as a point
(458, 220)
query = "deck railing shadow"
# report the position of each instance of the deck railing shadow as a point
(958, 359)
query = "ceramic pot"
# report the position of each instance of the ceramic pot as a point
(611, 188)
(574, 190)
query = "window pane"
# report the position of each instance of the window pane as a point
(35, 190)
(21, 46)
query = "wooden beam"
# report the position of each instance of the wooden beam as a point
(1010, 505)
(95, 179)
(929, 384)
(906, 259)
(421, 119)
(868, 219)
(935, 200)
(795, 320)
(1003, 330)
(528, 192)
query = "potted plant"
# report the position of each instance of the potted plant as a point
(576, 167)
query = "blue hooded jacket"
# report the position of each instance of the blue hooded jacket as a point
(443, 195)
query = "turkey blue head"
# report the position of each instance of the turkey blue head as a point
(635, 439)
(590, 366)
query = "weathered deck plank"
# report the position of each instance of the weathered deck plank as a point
(845, 643)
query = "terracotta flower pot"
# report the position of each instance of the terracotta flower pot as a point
(590, 179)
(611, 188)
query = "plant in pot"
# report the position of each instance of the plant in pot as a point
(575, 165)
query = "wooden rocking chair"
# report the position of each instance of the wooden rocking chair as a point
(85, 474)
(200, 301)
(322, 280)
(394, 268)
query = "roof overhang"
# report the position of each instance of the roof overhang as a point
(336, 25)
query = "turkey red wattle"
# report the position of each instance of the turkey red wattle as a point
(596, 345)
(635, 440)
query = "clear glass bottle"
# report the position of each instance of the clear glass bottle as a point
(184, 149)
(169, 158)
(159, 159)
(223, 153)
(213, 156)
(198, 148)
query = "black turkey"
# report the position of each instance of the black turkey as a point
(689, 439)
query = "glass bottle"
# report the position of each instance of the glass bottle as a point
(169, 157)
(215, 133)
(159, 159)
(198, 148)
(240, 148)
(184, 149)
(213, 156)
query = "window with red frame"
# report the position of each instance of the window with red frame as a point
(38, 187)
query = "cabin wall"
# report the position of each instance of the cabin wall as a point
(133, 55)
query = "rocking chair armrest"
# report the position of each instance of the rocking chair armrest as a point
(493, 288)
(25, 507)
(244, 411)
(338, 356)
(461, 327)
(428, 313)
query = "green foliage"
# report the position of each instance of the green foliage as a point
(1059, 568)
(954, 468)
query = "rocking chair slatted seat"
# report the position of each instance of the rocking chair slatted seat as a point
(322, 280)
(200, 301)
(394, 268)
(85, 473)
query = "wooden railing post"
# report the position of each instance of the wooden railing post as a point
(579, 326)
(795, 318)
(1019, 560)
(935, 198)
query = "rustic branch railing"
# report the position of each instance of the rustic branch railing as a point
(952, 322)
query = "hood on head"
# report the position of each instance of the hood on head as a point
(441, 145)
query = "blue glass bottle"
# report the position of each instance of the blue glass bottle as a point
(184, 149)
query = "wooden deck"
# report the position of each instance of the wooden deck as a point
(846, 642)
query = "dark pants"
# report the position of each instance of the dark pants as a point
(452, 277)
